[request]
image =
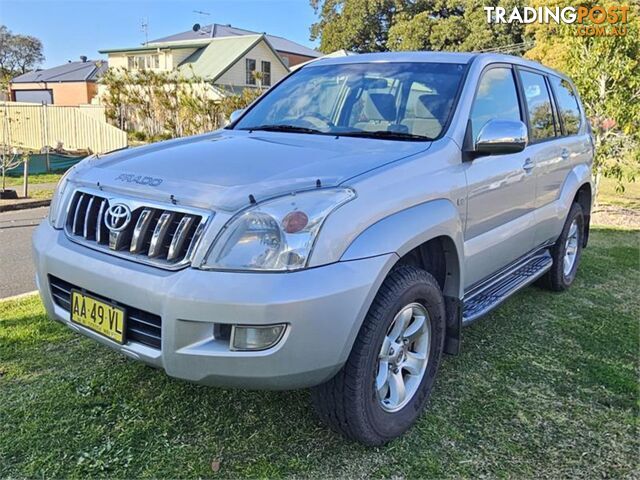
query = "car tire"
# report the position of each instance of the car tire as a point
(352, 402)
(565, 266)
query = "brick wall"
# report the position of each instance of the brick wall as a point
(64, 93)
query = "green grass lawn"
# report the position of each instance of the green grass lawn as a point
(546, 386)
(34, 179)
(41, 194)
(630, 198)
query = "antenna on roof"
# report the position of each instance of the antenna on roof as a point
(197, 27)
(144, 27)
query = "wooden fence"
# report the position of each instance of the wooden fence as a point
(33, 126)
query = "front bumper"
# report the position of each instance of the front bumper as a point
(323, 308)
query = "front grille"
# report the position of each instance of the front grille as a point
(142, 327)
(147, 234)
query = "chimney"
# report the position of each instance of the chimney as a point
(83, 58)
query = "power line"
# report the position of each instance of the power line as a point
(513, 47)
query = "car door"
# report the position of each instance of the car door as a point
(550, 158)
(571, 146)
(500, 188)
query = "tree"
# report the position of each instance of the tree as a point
(356, 25)
(10, 158)
(606, 71)
(450, 25)
(18, 53)
(381, 25)
(27, 53)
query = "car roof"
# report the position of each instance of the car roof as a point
(439, 57)
(435, 57)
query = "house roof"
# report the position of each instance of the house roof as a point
(216, 30)
(219, 55)
(88, 71)
(168, 45)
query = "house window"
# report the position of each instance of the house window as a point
(140, 62)
(251, 68)
(266, 73)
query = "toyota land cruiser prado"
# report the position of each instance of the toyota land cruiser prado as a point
(338, 234)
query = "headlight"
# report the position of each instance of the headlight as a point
(54, 208)
(276, 235)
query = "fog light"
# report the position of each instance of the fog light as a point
(259, 337)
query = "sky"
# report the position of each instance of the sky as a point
(69, 29)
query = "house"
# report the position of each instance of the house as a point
(228, 63)
(292, 53)
(73, 83)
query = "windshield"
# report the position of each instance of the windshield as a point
(410, 101)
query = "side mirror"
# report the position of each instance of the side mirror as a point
(235, 115)
(501, 136)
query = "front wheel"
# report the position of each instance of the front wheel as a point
(383, 387)
(566, 252)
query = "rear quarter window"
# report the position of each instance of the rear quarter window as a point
(567, 104)
(541, 121)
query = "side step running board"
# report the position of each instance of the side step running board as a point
(486, 297)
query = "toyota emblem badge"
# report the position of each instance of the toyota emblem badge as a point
(117, 217)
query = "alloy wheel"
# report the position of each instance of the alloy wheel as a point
(571, 248)
(403, 357)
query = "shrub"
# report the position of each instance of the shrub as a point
(159, 105)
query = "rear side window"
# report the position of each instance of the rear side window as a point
(496, 98)
(567, 104)
(538, 101)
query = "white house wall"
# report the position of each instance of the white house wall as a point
(179, 56)
(118, 60)
(169, 59)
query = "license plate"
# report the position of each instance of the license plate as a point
(99, 316)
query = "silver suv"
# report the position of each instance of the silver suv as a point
(338, 234)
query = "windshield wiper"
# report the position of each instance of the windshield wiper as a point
(282, 128)
(384, 134)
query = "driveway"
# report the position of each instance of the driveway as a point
(16, 265)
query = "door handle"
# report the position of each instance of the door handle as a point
(564, 154)
(528, 165)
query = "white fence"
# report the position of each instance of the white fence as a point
(34, 126)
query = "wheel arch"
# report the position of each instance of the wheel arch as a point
(431, 227)
(584, 198)
(429, 236)
(578, 188)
